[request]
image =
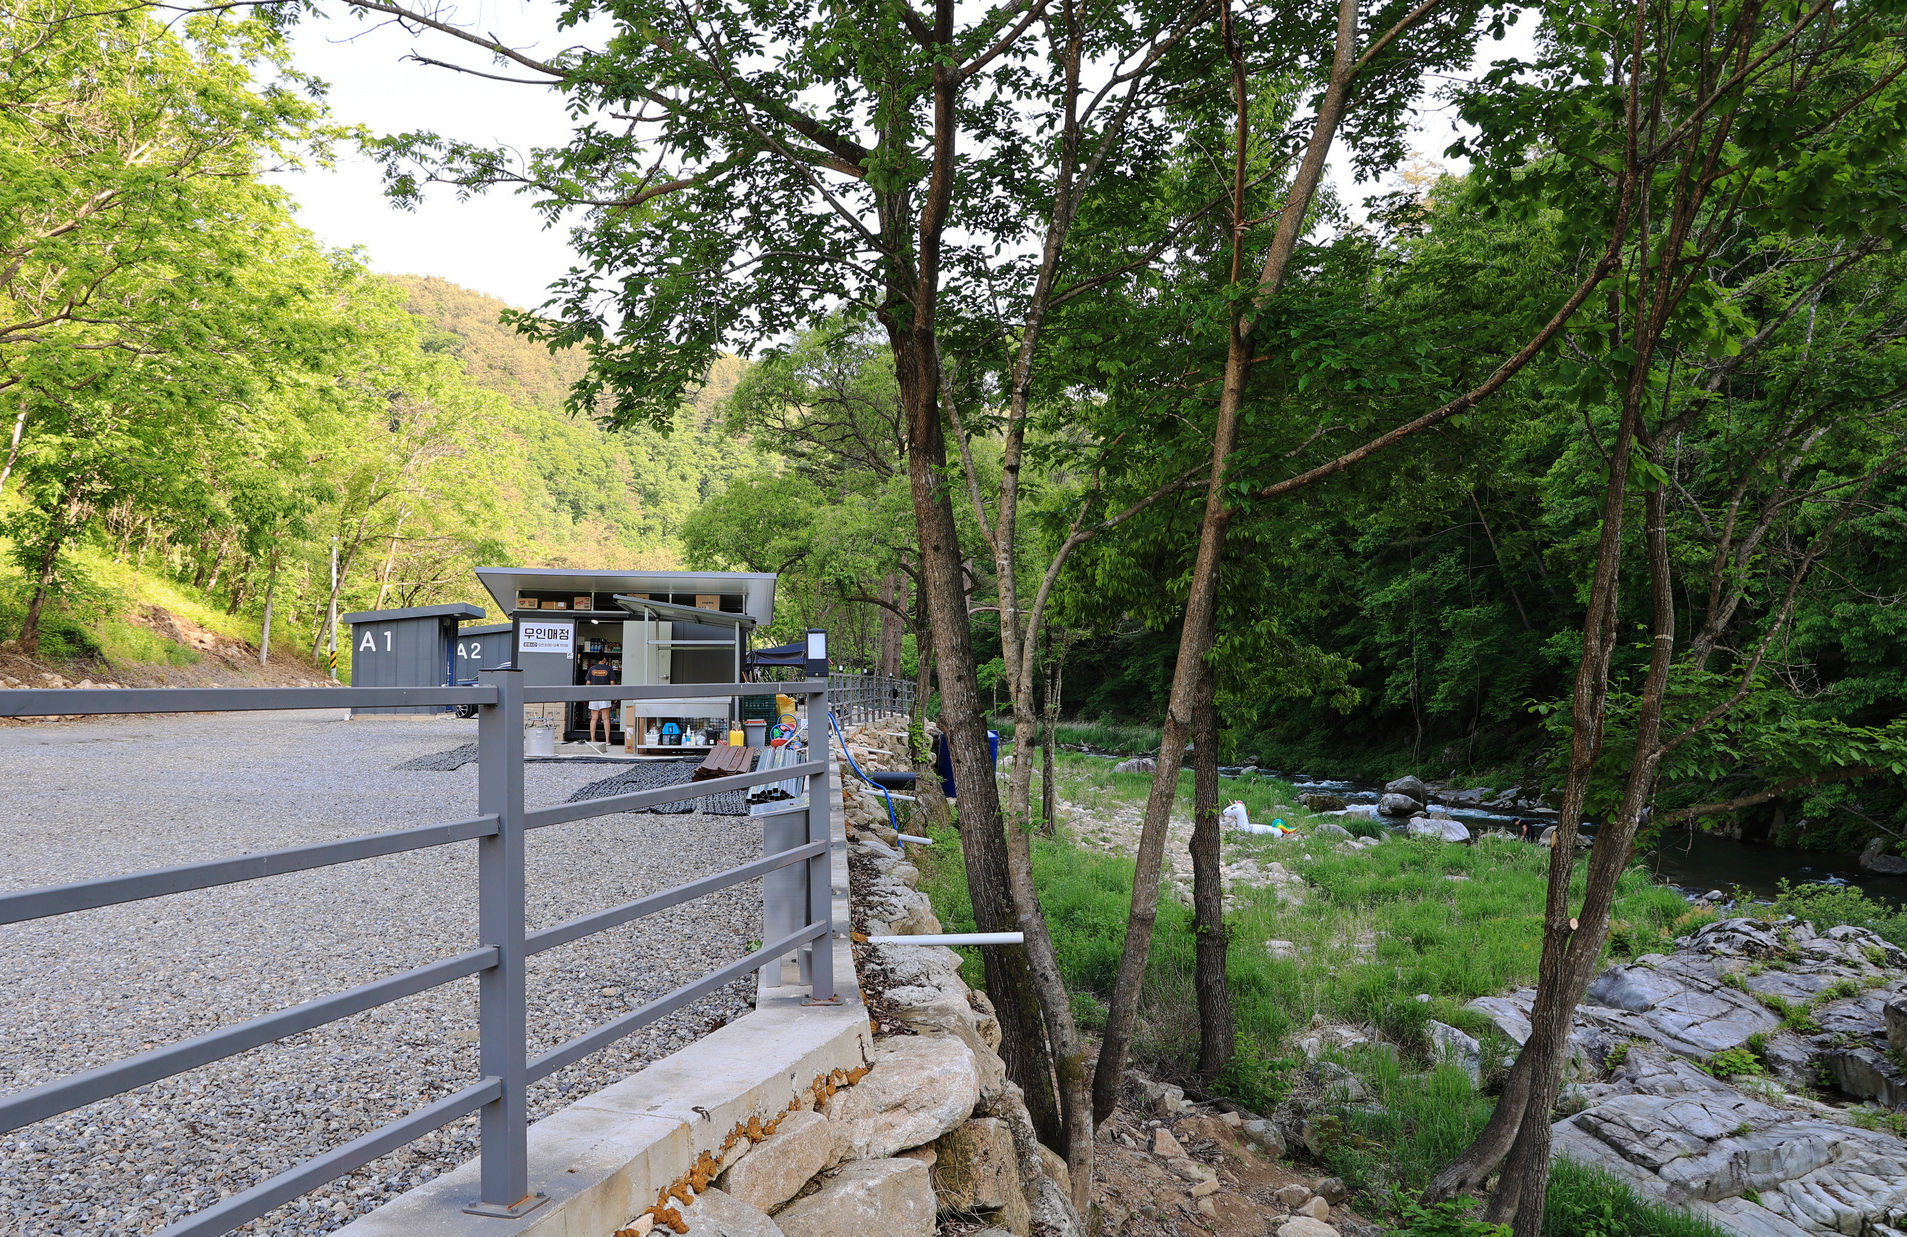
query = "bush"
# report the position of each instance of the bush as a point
(1442, 1220)
(1364, 827)
(1732, 1061)
(1829, 906)
(1585, 1202)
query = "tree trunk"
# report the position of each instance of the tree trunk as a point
(271, 589)
(891, 624)
(13, 446)
(1071, 1058)
(49, 557)
(982, 839)
(390, 559)
(1049, 789)
(1202, 599)
(1528, 1162)
(67, 516)
(1210, 934)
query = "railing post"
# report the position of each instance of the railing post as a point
(821, 866)
(784, 892)
(505, 1121)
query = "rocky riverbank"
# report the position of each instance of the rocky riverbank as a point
(1718, 1077)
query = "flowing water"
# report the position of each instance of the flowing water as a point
(1692, 861)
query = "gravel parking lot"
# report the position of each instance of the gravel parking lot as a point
(95, 798)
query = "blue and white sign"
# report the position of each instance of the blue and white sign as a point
(546, 637)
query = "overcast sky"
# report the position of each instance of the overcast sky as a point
(495, 243)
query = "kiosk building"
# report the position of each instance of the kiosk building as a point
(652, 627)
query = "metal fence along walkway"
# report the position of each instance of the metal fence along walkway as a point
(798, 914)
(864, 697)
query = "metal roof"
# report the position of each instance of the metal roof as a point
(682, 614)
(756, 587)
(460, 610)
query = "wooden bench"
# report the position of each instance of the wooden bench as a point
(725, 761)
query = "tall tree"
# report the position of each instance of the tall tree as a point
(1723, 123)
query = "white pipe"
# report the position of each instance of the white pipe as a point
(908, 837)
(953, 938)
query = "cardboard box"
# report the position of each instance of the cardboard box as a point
(526, 603)
(708, 601)
(556, 605)
(583, 603)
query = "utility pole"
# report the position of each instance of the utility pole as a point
(332, 621)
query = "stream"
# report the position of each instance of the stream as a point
(1691, 861)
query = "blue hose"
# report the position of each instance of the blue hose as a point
(891, 818)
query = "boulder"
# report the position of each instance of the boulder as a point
(975, 1167)
(920, 1087)
(870, 1198)
(1457, 1048)
(1138, 764)
(1895, 1015)
(1269, 1137)
(1392, 804)
(1191, 1170)
(1322, 802)
(1410, 786)
(1293, 1195)
(718, 1214)
(1305, 1226)
(781, 1164)
(1438, 830)
(928, 994)
(1872, 860)
(1866, 1073)
(1165, 1144)
(1329, 830)
(1055, 1165)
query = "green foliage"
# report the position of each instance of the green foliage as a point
(1414, 1125)
(205, 401)
(1827, 906)
(1453, 1219)
(1733, 1061)
(1587, 1202)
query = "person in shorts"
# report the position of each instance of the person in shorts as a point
(599, 675)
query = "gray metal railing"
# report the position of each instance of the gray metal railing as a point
(864, 697)
(798, 916)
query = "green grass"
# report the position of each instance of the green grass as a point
(142, 588)
(1414, 1123)
(91, 619)
(1586, 1202)
(1450, 939)
(1089, 781)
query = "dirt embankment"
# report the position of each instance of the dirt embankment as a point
(205, 659)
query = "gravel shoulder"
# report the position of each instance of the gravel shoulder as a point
(107, 796)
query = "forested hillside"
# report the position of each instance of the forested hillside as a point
(205, 404)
